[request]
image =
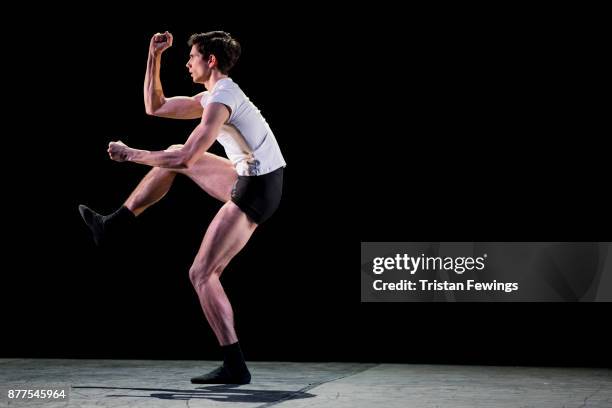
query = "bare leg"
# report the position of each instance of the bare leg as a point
(227, 234)
(152, 188)
(212, 173)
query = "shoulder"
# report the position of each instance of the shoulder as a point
(226, 92)
(201, 98)
(198, 98)
(227, 85)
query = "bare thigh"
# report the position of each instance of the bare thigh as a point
(214, 174)
(226, 235)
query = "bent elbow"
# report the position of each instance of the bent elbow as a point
(150, 111)
(152, 107)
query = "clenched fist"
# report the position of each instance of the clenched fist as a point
(118, 151)
(160, 42)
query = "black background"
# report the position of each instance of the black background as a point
(425, 128)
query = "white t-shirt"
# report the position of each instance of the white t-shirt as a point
(246, 137)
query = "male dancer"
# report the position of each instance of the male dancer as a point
(249, 182)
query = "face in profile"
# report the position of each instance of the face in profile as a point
(198, 66)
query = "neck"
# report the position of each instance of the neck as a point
(215, 76)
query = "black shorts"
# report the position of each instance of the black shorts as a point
(259, 196)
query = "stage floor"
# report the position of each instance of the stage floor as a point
(153, 383)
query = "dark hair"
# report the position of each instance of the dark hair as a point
(221, 45)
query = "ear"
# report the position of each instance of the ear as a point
(212, 61)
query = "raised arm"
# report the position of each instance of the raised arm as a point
(156, 104)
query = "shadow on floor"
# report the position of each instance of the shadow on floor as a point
(224, 393)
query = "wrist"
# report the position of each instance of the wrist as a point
(132, 154)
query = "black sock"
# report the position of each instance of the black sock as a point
(233, 359)
(233, 370)
(120, 218)
(107, 227)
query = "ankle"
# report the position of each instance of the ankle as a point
(233, 359)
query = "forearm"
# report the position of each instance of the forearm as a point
(153, 92)
(198, 142)
(170, 159)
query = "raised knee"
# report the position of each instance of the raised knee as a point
(174, 147)
(162, 171)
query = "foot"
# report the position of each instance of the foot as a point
(222, 375)
(95, 222)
